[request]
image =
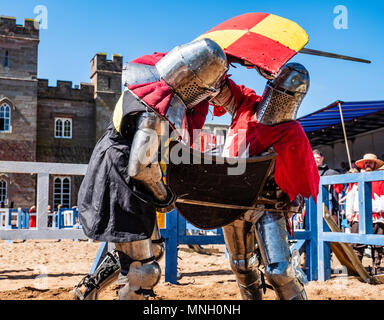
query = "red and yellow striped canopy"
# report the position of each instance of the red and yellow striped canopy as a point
(262, 39)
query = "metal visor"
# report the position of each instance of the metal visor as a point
(277, 106)
(208, 196)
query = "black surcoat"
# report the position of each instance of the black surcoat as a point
(112, 206)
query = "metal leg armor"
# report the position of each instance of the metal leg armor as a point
(140, 273)
(108, 270)
(272, 238)
(240, 243)
(105, 274)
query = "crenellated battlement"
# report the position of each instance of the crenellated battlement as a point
(100, 63)
(8, 27)
(64, 90)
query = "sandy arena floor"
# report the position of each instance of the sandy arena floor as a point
(48, 270)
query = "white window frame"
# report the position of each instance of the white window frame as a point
(62, 134)
(3, 191)
(6, 108)
(58, 197)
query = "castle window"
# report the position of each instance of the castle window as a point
(63, 128)
(6, 59)
(3, 192)
(5, 118)
(62, 192)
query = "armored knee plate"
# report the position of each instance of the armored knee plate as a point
(272, 238)
(240, 243)
(140, 281)
(140, 273)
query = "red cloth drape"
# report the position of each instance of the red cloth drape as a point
(295, 170)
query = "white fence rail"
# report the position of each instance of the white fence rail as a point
(43, 170)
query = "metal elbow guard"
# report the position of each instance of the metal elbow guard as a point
(145, 144)
(143, 165)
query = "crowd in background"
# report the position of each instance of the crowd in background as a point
(52, 221)
(344, 203)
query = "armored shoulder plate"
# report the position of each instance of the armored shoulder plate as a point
(135, 73)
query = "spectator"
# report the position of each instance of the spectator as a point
(333, 190)
(367, 164)
(32, 217)
(56, 218)
(50, 216)
(343, 167)
(342, 201)
(55, 215)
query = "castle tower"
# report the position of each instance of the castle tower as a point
(106, 78)
(18, 102)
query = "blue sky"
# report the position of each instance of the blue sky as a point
(77, 30)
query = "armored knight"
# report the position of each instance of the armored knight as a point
(137, 130)
(123, 186)
(267, 228)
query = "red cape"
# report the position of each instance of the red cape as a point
(295, 170)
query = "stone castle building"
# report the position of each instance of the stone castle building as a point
(48, 124)
(59, 124)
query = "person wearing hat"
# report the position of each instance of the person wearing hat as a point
(369, 163)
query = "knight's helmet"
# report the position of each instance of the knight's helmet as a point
(283, 95)
(194, 70)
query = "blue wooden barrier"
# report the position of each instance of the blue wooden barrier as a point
(308, 240)
(175, 234)
(315, 238)
(365, 235)
(59, 218)
(22, 218)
